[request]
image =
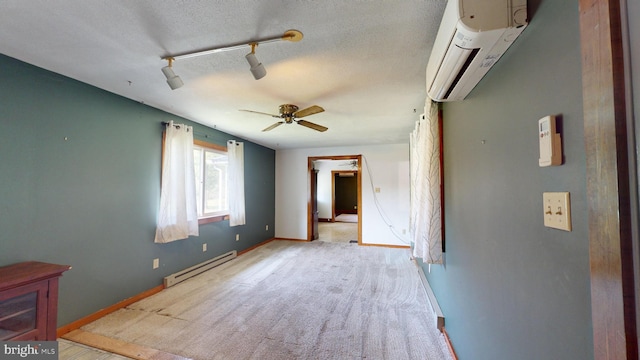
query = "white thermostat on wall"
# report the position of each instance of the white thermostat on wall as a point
(550, 142)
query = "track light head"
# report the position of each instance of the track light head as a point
(173, 80)
(257, 69)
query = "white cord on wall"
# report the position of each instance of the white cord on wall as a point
(383, 215)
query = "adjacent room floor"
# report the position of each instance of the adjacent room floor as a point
(342, 232)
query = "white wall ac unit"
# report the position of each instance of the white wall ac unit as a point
(473, 35)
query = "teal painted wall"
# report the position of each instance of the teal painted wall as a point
(511, 288)
(91, 201)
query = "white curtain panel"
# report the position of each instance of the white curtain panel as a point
(178, 216)
(426, 207)
(235, 153)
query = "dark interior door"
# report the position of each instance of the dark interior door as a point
(345, 193)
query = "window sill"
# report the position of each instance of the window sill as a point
(213, 219)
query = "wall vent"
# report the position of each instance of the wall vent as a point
(198, 269)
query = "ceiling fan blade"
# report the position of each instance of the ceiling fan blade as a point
(262, 113)
(308, 111)
(313, 126)
(273, 126)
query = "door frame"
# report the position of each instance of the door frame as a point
(608, 173)
(358, 171)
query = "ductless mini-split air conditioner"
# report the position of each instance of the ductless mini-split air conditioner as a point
(473, 35)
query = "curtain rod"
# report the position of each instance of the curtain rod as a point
(177, 126)
(165, 123)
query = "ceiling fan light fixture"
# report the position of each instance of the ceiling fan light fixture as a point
(173, 80)
(257, 69)
(290, 114)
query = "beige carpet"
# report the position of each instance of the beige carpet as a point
(290, 300)
(350, 218)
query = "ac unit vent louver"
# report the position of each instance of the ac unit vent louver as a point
(472, 37)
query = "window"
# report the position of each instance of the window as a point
(211, 165)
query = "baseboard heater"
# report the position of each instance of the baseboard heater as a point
(432, 297)
(199, 268)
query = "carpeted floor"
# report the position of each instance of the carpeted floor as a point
(290, 300)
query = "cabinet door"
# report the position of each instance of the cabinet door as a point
(23, 313)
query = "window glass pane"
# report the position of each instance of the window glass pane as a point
(210, 166)
(215, 182)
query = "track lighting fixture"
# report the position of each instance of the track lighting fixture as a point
(257, 69)
(173, 80)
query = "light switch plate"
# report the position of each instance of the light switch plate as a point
(557, 210)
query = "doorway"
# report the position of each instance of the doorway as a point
(312, 203)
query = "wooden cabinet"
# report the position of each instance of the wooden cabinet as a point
(29, 301)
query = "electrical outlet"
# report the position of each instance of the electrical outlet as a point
(237, 237)
(204, 247)
(557, 210)
(266, 228)
(156, 263)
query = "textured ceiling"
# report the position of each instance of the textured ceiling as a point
(363, 61)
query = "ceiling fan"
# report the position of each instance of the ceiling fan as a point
(289, 114)
(351, 163)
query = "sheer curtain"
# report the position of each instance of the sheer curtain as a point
(178, 216)
(235, 153)
(425, 221)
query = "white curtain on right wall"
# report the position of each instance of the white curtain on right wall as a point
(426, 205)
